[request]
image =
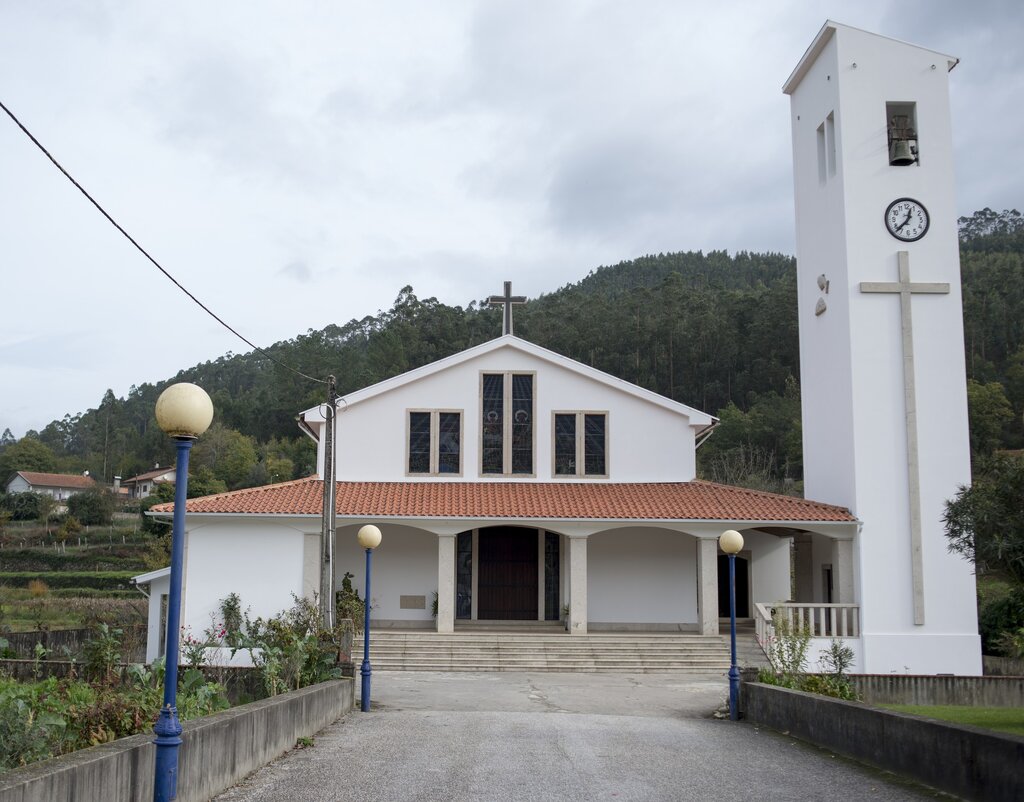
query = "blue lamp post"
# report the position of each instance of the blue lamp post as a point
(731, 542)
(184, 411)
(369, 538)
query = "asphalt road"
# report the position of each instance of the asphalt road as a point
(505, 736)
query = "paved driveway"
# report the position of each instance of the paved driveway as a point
(501, 736)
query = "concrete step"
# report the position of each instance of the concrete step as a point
(555, 651)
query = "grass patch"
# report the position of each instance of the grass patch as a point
(1001, 719)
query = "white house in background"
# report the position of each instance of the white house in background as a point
(60, 486)
(144, 484)
(513, 481)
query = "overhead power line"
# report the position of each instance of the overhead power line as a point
(143, 251)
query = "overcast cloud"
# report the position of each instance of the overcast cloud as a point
(296, 166)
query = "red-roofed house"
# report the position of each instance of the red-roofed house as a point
(514, 482)
(144, 485)
(60, 486)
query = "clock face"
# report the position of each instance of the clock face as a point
(907, 219)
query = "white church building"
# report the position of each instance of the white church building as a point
(519, 485)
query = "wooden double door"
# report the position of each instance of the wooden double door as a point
(507, 570)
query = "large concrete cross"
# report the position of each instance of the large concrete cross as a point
(906, 288)
(507, 300)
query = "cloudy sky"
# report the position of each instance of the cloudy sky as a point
(297, 164)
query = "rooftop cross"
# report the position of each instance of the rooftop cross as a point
(905, 287)
(507, 300)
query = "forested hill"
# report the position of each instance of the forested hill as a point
(714, 331)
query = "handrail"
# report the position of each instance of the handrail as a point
(820, 619)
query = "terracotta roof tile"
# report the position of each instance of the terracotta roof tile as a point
(530, 500)
(57, 479)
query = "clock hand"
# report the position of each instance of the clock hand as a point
(905, 221)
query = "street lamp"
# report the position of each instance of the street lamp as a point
(369, 538)
(731, 542)
(184, 411)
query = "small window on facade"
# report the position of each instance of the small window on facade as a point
(435, 442)
(506, 424)
(580, 444)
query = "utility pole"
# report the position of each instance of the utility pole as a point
(328, 524)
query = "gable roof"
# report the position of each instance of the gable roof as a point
(828, 30)
(70, 480)
(149, 475)
(150, 576)
(697, 418)
(675, 501)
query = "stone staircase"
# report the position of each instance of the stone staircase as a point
(545, 649)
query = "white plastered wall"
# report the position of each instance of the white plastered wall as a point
(404, 564)
(769, 566)
(646, 442)
(641, 575)
(261, 560)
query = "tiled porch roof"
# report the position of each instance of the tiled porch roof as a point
(701, 501)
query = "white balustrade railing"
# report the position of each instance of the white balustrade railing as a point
(821, 620)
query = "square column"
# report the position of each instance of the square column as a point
(707, 585)
(446, 583)
(577, 586)
(842, 571)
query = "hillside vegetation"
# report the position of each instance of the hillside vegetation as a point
(711, 330)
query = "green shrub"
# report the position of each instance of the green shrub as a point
(24, 506)
(998, 615)
(349, 605)
(292, 649)
(93, 507)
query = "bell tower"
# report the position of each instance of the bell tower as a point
(881, 336)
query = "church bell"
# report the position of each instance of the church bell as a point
(902, 142)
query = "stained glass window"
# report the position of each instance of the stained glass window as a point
(565, 445)
(594, 445)
(435, 442)
(419, 442)
(493, 423)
